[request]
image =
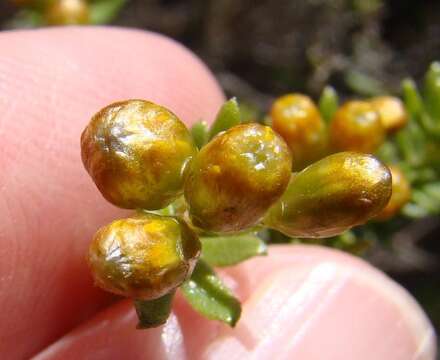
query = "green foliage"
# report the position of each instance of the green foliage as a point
(105, 11)
(200, 133)
(207, 294)
(231, 250)
(328, 103)
(228, 116)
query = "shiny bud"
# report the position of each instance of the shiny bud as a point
(356, 126)
(401, 194)
(331, 196)
(392, 112)
(144, 257)
(236, 177)
(67, 12)
(297, 119)
(136, 153)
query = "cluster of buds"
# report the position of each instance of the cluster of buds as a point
(195, 189)
(358, 125)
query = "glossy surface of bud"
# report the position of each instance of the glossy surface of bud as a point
(356, 126)
(144, 257)
(137, 154)
(67, 12)
(401, 194)
(332, 195)
(236, 177)
(297, 119)
(392, 112)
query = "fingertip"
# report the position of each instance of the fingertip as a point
(112, 334)
(51, 82)
(307, 301)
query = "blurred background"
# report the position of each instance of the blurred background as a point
(259, 50)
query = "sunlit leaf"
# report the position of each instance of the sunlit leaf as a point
(231, 250)
(206, 293)
(227, 117)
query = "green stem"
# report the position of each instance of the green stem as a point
(153, 313)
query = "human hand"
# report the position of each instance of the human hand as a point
(300, 302)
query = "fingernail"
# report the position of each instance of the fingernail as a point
(328, 310)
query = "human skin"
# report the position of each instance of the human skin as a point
(299, 302)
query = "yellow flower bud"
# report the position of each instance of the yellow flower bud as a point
(236, 177)
(144, 257)
(67, 12)
(356, 126)
(296, 118)
(392, 112)
(136, 153)
(401, 194)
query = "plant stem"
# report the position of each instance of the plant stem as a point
(153, 313)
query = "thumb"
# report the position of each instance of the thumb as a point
(300, 302)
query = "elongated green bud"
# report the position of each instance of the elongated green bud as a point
(331, 196)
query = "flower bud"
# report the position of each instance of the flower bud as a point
(391, 111)
(331, 196)
(356, 126)
(236, 177)
(296, 118)
(401, 194)
(67, 12)
(136, 153)
(144, 257)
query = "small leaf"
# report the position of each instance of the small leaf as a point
(210, 297)
(414, 211)
(25, 19)
(104, 11)
(364, 84)
(426, 201)
(432, 90)
(227, 117)
(328, 103)
(200, 133)
(411, 96)
(231, 250)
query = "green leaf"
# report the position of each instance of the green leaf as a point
(364, 84)
(388, 153)
(153, 313)
(411, 142)
(104, 11)
(414, 211)
(200, 133)
(25, 19)
(432, 91)
(426, 201)
(411, 97)
(206, 293)
(328, 103)
(227, 117)
(231, 250)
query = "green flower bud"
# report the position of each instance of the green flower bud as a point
(331, 196)
(297, 119)
(136, 153)
(356, 126)
(236, 177)
(144, 257)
